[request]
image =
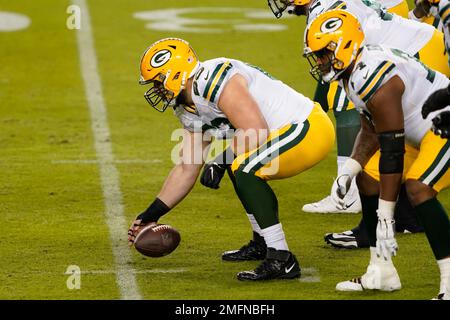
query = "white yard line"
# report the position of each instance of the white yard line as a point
(109, 175)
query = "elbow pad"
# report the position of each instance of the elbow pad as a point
(392, 148)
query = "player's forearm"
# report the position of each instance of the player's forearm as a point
(179, 183)
(366, 145)
(390, 186)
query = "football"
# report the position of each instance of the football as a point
(157, 240)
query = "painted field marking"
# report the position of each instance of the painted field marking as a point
(11, 21)
(310, 275)
(109, 175)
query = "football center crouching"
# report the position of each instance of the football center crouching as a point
(226, 96)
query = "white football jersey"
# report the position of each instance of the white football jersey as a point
(375, 65)
(389, 3)
(444, 15)
(279, 104)
(380, 27)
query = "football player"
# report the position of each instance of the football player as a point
(347, 119)
(388, 87)
(278, 134)
(439, 10)
(381, 27)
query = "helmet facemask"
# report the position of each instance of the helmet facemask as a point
(158, 96)
(278, 6)
(329, 68)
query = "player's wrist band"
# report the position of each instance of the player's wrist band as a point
(386, 209)
(351, 167)
(155, 211)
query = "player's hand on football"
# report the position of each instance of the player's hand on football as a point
(135, 228)
(212, 175)
(340, 188)
(436, 101)
(386, 243)
(441, 125)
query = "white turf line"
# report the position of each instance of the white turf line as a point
(114, 212)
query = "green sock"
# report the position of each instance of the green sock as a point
(369, 211)
(258, 198)
(348, 124)
(434, 220)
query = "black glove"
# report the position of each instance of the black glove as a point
(212, 174)
(441, 125)
(436, 101)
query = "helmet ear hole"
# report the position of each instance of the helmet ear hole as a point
(348, 44)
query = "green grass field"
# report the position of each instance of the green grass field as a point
(52, 211)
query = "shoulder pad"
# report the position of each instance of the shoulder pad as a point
(369, 74)
(210, 80)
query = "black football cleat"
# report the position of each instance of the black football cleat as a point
(279, 264)
(256, 249)
(351, 239)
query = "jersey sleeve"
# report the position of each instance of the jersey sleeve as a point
(369, 77)
(210, 81)
(444, 12)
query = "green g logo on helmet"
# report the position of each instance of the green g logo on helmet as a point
(331, 25)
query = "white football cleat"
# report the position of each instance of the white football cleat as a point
(377, 277)
(442, 296)
(328, 205)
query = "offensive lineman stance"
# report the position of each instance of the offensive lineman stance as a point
(380, 27)
(279, 133)
(388, 87)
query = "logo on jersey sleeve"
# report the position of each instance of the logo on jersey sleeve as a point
(331, 25)
(160, 58)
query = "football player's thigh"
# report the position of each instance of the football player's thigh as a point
(401, 9)
(432, 166)
(258, 155)
(304, 151)
(371, 167)
(434, 54)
